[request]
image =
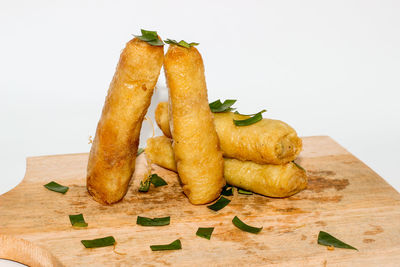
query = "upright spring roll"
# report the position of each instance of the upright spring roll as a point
(265, 179)
(265, 142)
(113, 153)
(196, 146)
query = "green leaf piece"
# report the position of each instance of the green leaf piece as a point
(53, 186)
(144, 221)
(156, 42)
(144, 186)
(244, 227)
(256, 118)
(218, 107)
(172, 246)
(181, 43)
(326, 239)
(227, 191)
(262, 111)
(78, 220)
(139, 151)
(244, 192)
(151, 37)
(99, 242)
(205, 232)
(298, 166)
(220, 204)
(157, 180)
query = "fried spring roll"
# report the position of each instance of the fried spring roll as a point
(265, 142)
(113, 153)
(162, 118)
(265, 179)
(196, 146)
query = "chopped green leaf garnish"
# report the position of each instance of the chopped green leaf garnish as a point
(144, 186)
(99, 242)
(152, 179)
(151, 37)
(157, 180)
(78, 220)
(244, 227)
(262, 111)
(326, 239)
(257, 117)
(218, 107)
(180, 43)
(144, 221)
(173, 246)
(205, 232)
(53, 186)
(139, 151)
(244, 192)
(220, 204)
(227, 191)
(298, 166)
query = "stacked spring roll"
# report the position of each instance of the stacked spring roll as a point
(258, 157)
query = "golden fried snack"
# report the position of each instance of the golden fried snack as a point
(159, 151)
(162, 118)
(196, 146)
(113, 153)
(265, 179)
(266, 142)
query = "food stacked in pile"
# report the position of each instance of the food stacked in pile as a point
(208, 145)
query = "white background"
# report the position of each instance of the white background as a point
(326, 68)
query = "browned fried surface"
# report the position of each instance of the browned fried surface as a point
(112, 156)
(196, 146)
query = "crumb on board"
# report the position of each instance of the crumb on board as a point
(116, 252)
(330, 248)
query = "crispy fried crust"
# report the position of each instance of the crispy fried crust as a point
(113, 153)
(196, 146)
(265, 179)
(162, 118)
(265, 142)
(159, 151)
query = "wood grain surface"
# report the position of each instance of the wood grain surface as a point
(344, 198)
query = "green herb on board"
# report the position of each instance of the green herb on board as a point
(172, 246)
(151, 37)
(53, 186)
(205, 232)
(181, 43)
(244, 192)
(99, 242)
(244, 227)
(152, 179)
(256, 118)
(78, 220)
(298, 166)
(218, 107)
(144, 221)
(140, 151)
(227, 191)
(144, 186)
(220, 204)
(157, 180)
(326, 239)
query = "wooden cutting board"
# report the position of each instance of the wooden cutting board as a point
(344, 198)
